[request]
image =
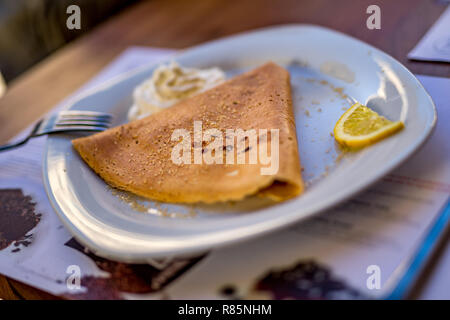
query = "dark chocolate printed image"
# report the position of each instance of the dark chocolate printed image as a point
(307, 280)
(17, 219)
(128, 278)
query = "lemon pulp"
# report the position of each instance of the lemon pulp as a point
(360, 126)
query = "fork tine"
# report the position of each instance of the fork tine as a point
(82, 124)
(83, 113)
(77, 128)
(71, 117)
(81, 116)
(65, 121)
(82, 121)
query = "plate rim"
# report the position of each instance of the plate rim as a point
(127, 256)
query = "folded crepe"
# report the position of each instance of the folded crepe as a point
(137, 156)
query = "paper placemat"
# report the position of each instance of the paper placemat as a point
(435, 44)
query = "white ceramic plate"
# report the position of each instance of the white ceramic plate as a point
(325, 66)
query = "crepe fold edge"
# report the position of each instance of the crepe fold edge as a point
(274, 187)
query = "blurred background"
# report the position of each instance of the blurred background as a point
(30, 30)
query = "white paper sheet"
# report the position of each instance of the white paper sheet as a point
(331, 252)
(435, 44)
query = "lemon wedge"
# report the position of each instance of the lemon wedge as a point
(360, 126)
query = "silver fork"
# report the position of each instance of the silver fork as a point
(66, 121)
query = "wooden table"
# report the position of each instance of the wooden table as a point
(180, 24)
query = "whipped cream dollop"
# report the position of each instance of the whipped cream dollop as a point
(169, 84)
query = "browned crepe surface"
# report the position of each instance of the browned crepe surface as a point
(136, 156)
